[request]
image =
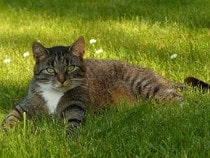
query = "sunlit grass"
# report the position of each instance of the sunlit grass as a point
(147, 33)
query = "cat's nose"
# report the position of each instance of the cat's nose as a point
(61, 78)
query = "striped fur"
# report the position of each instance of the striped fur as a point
(109, 81)
(66, 84)
(197, 83)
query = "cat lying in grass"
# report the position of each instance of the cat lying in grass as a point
(66, 84)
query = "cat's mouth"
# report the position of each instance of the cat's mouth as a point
(68, 85)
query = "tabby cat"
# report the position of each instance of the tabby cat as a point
(67, 85)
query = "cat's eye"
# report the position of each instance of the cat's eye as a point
(50, 70)
(70, 68)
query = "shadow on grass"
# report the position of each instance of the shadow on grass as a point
(191, 13)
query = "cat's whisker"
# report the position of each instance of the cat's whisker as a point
(83, 85)
(78, 79)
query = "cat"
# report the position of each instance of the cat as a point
(67, 85)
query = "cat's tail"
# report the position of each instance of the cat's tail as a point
(196, 83)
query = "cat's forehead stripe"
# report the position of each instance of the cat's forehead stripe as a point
(59, 58)
(61, 55)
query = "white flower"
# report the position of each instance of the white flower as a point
(6, 61)
(25, 54)
(92, 41)
(173, 56)
(99, 51)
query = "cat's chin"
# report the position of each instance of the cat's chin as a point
(63, 88)
(50, 87)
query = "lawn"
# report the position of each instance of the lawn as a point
(170, 37)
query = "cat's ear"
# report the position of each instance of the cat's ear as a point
(39, 51)
(78, 47)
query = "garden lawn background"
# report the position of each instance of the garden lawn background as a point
(170, 37)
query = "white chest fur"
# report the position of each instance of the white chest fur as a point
(51, 96)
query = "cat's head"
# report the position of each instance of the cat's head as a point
(60, 67)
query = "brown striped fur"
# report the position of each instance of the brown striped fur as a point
(71, 84)
(110, 81)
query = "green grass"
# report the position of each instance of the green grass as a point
(142, 32)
